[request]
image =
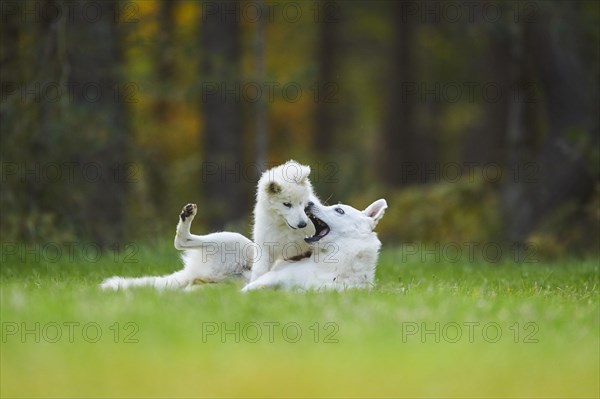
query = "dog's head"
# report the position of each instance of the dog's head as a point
(287, 191)
(343, 221)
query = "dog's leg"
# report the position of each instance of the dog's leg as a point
(184, 239)
(267, 280)
(260, 266)
(180, 279)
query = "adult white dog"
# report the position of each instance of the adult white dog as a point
(344, 251)
(280, 226)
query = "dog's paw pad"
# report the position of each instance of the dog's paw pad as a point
(188, 211)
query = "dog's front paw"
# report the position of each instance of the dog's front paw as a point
(112, 283)
(253, 286)
(188, 211)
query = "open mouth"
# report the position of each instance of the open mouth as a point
(321, 228)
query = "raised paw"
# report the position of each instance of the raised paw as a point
(188, 211)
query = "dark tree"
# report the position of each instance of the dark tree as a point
(325, 115)
(165, 71)
(546, 164)
(522, 137)
(98, 118)
(403, 145)
(570, 101)
(486, 143)
(221, 108)
(260, 105)
(70, 118)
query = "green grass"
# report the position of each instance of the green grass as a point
(528, 330)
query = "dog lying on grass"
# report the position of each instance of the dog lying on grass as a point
(344, 251)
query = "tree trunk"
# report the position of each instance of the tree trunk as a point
(398, 144)
(260, 106)
(99, 100)
(222, 131)
(519, 197)
(547, 169)
(487, 144)
(325, 116)
(165, 71)
(569, 106)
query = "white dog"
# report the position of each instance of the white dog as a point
(344, 251)
(210, 258)
(280, 225)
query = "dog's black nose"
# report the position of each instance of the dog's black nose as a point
(309, 205)
(301, 225)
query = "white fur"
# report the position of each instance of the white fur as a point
(210, 258)
(278, 231)
(219, 256)
(344, 258)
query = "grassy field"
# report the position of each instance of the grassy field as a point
(429, 329)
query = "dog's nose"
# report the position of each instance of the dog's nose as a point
(309, 205)
(301, 225)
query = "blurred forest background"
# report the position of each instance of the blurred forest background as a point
(477, 121)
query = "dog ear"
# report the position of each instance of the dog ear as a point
(304, 173)
(273, 188)
(376, 210)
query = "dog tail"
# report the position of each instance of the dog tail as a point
(176, 280)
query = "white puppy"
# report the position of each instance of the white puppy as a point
(344, 251)
(280, 223)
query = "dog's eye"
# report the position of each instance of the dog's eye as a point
(339, 210)
(287, 204)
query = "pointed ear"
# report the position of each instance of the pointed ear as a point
(376, 210)
(273, 188)
(304, 173)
